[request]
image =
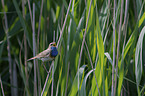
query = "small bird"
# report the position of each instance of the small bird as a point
(47, 55)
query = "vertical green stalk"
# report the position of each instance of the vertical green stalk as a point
(39, 25)
(67, 79)
(15, 81)
(112, 94)
(52, 78)
(8, 46)
(46, 84)
(25, 47)
(34, 45)
(2, 86)
(121, 70)
(30, 11)
(37, 50)
(119, 35)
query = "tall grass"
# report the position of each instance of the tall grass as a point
(101, 47)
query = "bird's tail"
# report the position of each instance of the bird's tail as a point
(31, 58)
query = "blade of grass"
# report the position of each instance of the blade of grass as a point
(141, 20)
(109, 58)
(74, 88)
(83, 87)
(138, 59)
(100, 48)
(15, 28)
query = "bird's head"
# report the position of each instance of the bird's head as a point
(52, 44)
(53, 52)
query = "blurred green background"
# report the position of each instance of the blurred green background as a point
(100, 53)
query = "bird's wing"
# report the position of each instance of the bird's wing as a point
(43, 53)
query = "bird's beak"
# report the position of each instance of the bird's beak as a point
(54, 44)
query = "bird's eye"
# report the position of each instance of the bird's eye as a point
(52, 44)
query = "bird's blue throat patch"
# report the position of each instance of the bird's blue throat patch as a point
(54, 51)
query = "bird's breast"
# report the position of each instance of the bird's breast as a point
(54, 52)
